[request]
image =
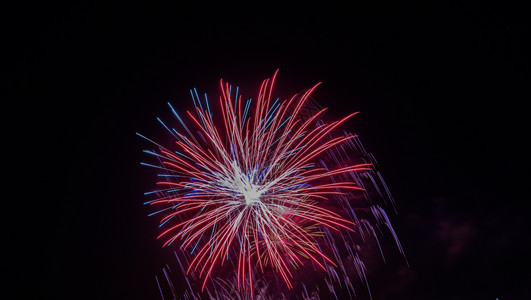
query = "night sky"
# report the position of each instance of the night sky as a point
(441, 90)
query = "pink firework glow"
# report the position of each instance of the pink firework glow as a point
(249, 189)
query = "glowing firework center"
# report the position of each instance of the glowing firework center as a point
(243, 185)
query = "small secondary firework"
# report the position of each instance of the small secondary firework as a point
(253, 189)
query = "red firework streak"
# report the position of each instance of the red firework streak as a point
(249, 190)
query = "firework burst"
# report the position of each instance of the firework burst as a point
(247, 187)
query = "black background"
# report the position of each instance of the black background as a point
(441, 88)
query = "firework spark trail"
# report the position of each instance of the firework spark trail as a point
(255, 191)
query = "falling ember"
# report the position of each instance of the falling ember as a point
(249, 189)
